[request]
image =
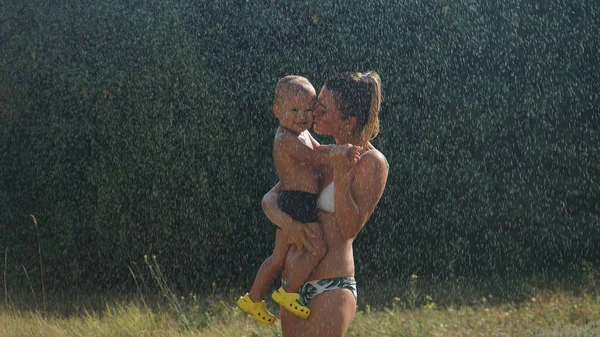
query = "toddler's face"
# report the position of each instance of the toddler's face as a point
(295, 112)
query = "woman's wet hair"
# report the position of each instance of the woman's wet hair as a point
(358, 95)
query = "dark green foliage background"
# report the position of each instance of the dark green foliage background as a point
(144, 127)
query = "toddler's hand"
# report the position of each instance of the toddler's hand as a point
(353, 154)
(344, 155)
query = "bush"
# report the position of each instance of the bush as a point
(132, 129)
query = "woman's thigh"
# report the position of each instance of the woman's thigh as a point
(330, 314)
(289, 323)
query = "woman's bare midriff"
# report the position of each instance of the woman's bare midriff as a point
(338, 262)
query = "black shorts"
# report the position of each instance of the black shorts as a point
(300, 205)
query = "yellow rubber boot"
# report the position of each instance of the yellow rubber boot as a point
(291, 302)
(258, 310)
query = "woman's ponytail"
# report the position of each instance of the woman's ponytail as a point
(358, 95)
(371, 128)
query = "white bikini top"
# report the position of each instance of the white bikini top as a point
(326, 200)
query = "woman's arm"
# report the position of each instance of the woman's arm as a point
(355, 200)
(295, 231)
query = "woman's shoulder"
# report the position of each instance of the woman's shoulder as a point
(370, 177)
(371, 162)
(374, 156)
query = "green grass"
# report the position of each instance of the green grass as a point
(547, 311)
(547, 305)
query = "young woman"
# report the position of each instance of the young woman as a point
(347, 108)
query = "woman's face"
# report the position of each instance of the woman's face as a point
(327, 118)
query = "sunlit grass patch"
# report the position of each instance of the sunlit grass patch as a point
(546, 313)
(128, 319)
(416, 307)
(116, 320)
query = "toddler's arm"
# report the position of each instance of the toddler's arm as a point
(314, 142)
(317, 156)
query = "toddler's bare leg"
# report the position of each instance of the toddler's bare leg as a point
(270, 268)
(306, 262)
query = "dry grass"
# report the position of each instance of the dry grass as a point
(547, 313)
(549, 306)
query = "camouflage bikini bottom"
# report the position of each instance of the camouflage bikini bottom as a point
(314, 288)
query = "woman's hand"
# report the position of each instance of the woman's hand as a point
(344, 156)
(297, 235)
(295, 232)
